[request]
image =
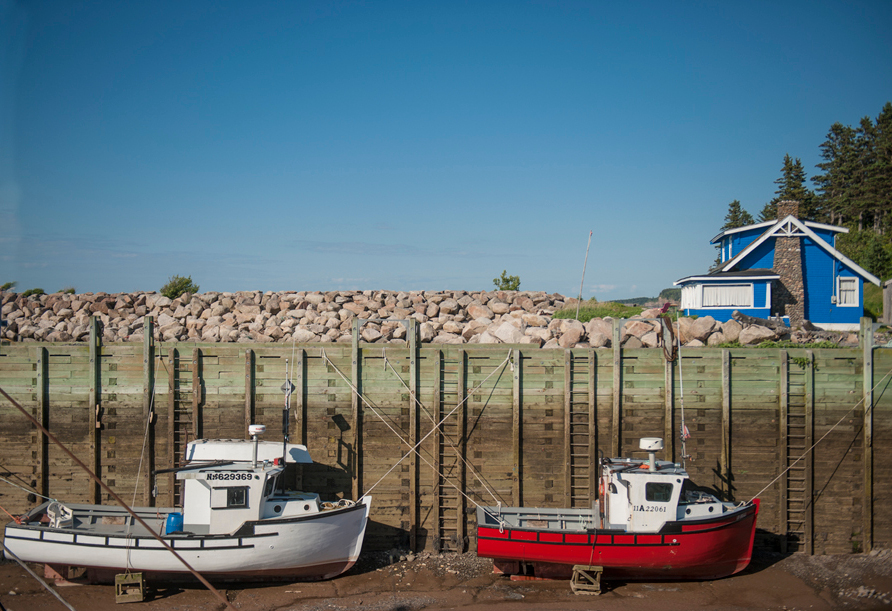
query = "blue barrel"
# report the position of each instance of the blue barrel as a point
(174, 523)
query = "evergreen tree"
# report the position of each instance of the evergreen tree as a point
(835, 185)
(736, 217)
(791, 186)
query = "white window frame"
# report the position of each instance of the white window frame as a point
(749, 286)
(854, 281)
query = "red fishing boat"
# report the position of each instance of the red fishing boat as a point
(650, 522)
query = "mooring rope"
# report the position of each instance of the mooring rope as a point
(414, 449)
(830, 430)
(445, 435)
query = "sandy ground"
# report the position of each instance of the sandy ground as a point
(384, 582)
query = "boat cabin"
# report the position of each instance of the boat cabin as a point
(228, 482)
(642, 495)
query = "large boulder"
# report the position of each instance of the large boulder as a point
(756, 334)
(731, 330)
(506, 332)
(702, 327)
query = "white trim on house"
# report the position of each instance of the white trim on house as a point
(814, 224)
(791, 226)
(722, 295)
(725, 278)
(852, 293)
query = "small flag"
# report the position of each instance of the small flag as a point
(685, 433)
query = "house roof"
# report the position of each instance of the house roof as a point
(744, 274)
(833, 228)
(786, 227)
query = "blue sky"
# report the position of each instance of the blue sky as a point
(409, 145)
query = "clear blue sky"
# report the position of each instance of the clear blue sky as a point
(409, 145)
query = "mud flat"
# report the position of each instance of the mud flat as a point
(384, 582)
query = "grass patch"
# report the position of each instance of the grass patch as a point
(787, 344)
(598, 309)
(873, 301)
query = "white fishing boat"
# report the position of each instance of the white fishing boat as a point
(235, 523)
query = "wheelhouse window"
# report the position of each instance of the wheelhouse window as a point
(847, 292)
(658, 492)
(235, 497)
(727, 295)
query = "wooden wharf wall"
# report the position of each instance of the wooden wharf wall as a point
(529, 432)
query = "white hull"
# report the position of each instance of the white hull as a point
(319, 545)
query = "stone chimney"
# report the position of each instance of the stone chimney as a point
(786, 208)
(788, 296)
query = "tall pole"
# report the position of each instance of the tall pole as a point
(583, 273)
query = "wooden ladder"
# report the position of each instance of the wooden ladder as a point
(797, 434)
(581, 427)
(450, 469)
(184, 396)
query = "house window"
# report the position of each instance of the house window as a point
(727, 295)
(847, 292)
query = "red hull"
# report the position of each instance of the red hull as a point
(705, 549)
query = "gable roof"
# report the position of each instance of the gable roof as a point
(793, 227)
(833, 228)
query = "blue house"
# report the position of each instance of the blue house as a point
(788, 268)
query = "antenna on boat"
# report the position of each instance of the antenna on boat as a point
(287, 388)
(255, 430)
(683, 431)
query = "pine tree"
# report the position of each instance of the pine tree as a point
(836, 184)
(736, 217)
(791, 186)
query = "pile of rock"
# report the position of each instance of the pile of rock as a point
(445, 317)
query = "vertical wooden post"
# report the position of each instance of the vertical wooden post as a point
(172, 359)
(439, 449)
(94, 401)
(413, 434)
(41, 359)
(568, 429)
(300, 411)
(356, 405)
(517, 433)
(463, 448)
(249, 389)
(784, 462)
(148, 397)
(196, 393)
(867, 329)
(592, 426)
(810, 459)
(616, 437)
(726, 425)
(669, 406)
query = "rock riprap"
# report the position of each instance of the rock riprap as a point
(444, 317)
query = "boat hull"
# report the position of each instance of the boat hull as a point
(691, 549)
(317, 546)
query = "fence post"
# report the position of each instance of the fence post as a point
(413, 434)
(356, 404)
(249, 389)
(148, 404)
(726, 424)
(616, 439)
(867, 517)
(94, 401)
(43, 416)
(517, 429)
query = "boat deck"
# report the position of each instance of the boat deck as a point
(112, 521)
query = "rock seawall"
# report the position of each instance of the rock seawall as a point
(445, 317)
